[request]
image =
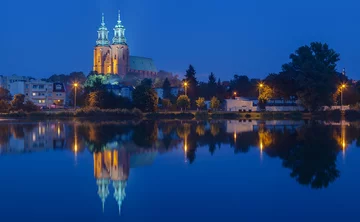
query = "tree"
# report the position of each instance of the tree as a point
(183, 102)
(29, 106)
(211, 86)
(192, 83)
(220, 90)
(5, 94)
(166, 89)
(95, 83)
(214, 103)
(314, 70)
(145, 97)
(166, 104)
(200, 102)
(266, 93)
(94, 99)
(243, 86)
(4, 106)
(18, 102)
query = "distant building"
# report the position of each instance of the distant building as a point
(115, 58)
(7, 81)
(47, 94)
(119, 90)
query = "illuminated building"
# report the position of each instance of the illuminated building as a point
(115, 58)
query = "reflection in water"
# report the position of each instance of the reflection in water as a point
(112, 166)
(308, 149)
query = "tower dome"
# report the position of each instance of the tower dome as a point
(103, 34)
(119, 33)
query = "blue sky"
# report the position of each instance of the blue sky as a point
(227, 37)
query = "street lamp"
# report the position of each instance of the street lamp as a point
(235, 93)
(75, 86)
(261, 85)
(185, 87)
(342, 87)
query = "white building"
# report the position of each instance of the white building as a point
(250, 105)
(7, 81)
(47, 94)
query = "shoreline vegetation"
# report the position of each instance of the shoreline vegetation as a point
(136, 114)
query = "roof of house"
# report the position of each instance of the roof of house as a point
(142, 63)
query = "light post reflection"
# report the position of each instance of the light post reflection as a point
(76, 148)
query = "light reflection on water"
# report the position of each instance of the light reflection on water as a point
(116, 150)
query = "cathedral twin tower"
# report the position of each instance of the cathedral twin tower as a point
(111, 58)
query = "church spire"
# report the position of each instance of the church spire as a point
(103, 33)
(119, 33)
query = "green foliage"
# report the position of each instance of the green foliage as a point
(200, 102)
(95, 82)
(5, 94)
(183, 102)
(214, 103)
(4, 106)
(145, 97)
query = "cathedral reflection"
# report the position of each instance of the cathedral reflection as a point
(112, 166)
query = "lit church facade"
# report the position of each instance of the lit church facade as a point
(114, 58)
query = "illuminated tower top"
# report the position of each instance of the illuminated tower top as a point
(119, 33)
(103, 34)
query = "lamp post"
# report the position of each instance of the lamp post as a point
(75, 86)
(260, 86)
(185, 87)
(342, 87)
(235, 93)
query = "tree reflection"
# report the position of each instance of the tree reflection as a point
(313, 158)
(145, 134)
(309, 151)
(4, 134)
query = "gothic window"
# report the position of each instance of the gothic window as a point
(123, 56)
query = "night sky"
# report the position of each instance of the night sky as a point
(227, 37)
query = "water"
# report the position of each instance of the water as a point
(179, 171)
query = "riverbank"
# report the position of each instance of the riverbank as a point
(136, 114)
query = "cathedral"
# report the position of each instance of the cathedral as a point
(114, 58)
